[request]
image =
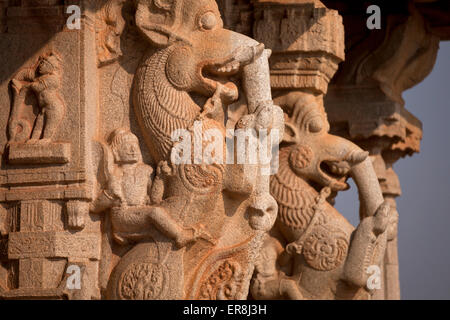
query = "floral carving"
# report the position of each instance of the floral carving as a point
(143, 281)
(324, 250)
(223, 283)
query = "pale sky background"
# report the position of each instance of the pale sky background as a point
(424, 227)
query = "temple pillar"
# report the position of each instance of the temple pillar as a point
(365, 104)
(46, 177)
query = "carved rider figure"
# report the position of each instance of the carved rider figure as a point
(128, 185)
(193, 70)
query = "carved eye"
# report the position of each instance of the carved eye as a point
(208, 21)
(315, 125)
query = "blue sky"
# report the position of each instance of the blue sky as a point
(424, 237)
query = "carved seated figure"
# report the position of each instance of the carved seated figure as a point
(192, 71)
(126, 194)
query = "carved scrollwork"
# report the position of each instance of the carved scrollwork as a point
(200, 178)
(224, 283)
(324, 250)
(143, 281)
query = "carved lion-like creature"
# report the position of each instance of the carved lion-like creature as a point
(192, 71)
(314, 252)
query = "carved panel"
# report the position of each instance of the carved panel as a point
(53, 244)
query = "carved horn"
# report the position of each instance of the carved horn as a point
(158, 19)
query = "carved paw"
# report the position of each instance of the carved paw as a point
(246, 122)
(193, 234)
(77, 211)
(264, 115)
(214, 105)
(163, 169)
(16, 84)
(225, 94)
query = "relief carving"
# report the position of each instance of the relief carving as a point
(37, 112)
(145, 149)
(193, 70)
(44, 80)
(126, 195)
(110, 26)
(324, 257)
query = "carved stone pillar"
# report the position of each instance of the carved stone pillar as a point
(237, 15)
(365, 104)
(307, 43)
(49, 96)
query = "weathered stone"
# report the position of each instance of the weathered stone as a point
(54, 153)
(122, 157)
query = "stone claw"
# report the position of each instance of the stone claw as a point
(201, 233)
(193, 234)
(246, 55)
(381, 218)
(163, 168)
(16, 84)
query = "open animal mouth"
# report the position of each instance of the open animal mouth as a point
(335, 173)
(231, 65)
(215, 73)
(220, 72)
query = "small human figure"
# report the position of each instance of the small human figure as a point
(269, 282)
(129, 181)
(45, 81)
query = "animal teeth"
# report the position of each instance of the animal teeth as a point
(338, 170)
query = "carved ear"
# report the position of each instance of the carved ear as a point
(157, 20)
(291, 134)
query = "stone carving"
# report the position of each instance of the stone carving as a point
(308, 43)
(224, 283)
(112, 141)
(110, 26)
(328, 258)
(380, 66)
(126, 194)
(45, 81)
(301, 59)
(77, 212)
(189, 78)
(144, 281)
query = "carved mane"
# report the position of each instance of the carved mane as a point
(295, 196)
(160, 107)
